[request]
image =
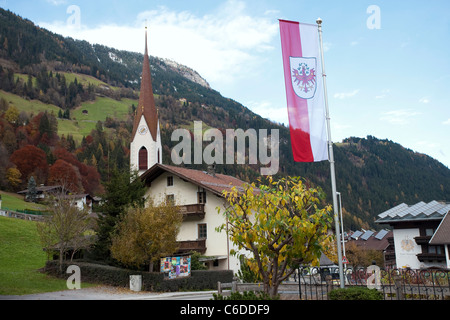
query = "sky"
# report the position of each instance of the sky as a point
(387, 62)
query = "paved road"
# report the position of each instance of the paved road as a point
(112, 293)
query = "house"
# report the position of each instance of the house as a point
(413, 229)
(42, 192)
(381, 241)
(198, 194)
(442, 237)
(81, 201)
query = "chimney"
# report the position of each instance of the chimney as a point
(211, 170)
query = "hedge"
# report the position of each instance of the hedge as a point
(355, 293)
(151, 281)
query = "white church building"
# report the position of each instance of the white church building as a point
(197, 193)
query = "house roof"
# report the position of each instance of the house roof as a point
(371, 240)
(442, 234)
(215, 183)
(42, 189)
(419, 212)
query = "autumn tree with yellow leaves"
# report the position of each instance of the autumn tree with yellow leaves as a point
(146, 234)
(282, 223)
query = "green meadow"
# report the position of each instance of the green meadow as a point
(81, 124)
(21, 257)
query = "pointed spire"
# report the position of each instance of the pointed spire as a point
(146, 105)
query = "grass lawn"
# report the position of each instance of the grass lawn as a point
(14, 201)
(21, 257)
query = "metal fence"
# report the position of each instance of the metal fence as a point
(395, 284)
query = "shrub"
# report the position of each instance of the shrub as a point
(355, 293)
(151, 281)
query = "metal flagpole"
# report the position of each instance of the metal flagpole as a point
(331, 159)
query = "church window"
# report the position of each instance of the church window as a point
(143, 159)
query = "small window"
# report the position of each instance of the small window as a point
(201, 197)
(170, 181)
(202, 231)
(170, 199)
(429, 232)
(435, 249)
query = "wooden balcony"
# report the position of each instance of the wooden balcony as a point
(422, 239)
(423, 257)
(192, 245)
(193, 211)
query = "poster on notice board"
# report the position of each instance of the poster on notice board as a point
(176, 267)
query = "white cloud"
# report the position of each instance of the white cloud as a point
(220, 46)
(266, 110)
(57, 2)
(399, 117)
(446, 122)
(383, 94)
(424, 100)
(344, 95)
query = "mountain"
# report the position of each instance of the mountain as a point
(75, 102)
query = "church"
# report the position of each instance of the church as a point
(197, 193)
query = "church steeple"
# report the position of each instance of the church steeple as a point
(146, 106)
(145, 149)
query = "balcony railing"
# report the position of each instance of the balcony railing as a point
(431, 257)
(196, 211)
(422, 239)
(192, 245)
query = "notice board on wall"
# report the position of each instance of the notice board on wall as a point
(176, 267)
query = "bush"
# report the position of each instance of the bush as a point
(355, 293)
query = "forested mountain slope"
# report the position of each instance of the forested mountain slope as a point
(74, 102)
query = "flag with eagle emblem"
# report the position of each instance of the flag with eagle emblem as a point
(304, 91)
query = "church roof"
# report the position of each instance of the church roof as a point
(215, 183)
(146, 106)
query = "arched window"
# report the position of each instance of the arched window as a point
(143, 159)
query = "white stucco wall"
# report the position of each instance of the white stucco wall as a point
(406, 250)
(145, 140)
(185, 193)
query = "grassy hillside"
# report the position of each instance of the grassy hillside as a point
(82, 124)
(14, 201)
(21, 257)
(29, 106)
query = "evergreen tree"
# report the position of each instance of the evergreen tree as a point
(32, 192)
(123, 191)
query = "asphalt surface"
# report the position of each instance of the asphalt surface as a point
(112, 293)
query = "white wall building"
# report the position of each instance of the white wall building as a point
(199, 194)
(414, 228)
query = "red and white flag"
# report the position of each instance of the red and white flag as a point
(304, 91)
